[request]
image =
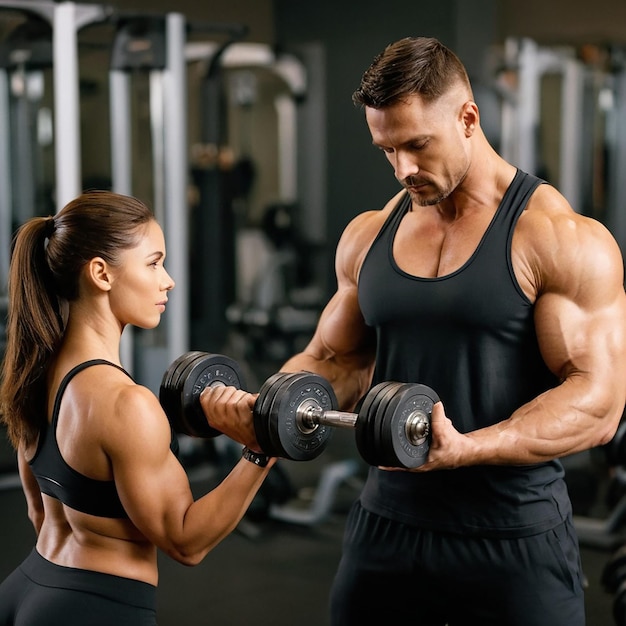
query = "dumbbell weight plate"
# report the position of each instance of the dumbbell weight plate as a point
(273, 417)
(362, 431)
(366, 422)
(169, 392)
(382, 453)
(410, 400)
(179, 365)
(291, 440)
(261, 411)
(197, 371)
(181, 375)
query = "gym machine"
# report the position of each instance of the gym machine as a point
(154, 46)
(615, 105)
(521, 112)
(45, 39)
(66, 19)
(227, 171)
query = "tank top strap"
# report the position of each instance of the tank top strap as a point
(68, 377)
(516, 199)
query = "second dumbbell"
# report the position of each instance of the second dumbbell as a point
(392, 428)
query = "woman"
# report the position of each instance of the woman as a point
(103, 487)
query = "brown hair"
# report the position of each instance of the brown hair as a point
(411, 66)
(47, 257)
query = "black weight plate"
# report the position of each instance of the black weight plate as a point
(387, 449)
(371, 429)
(364, 423)
(404, 453)
(205, 371)
(379, 420)
(181, 363)
(177, 382)
(172, 381)
(386, 455)
(273, 416)
(296, 443)
(169, 393)
(273, 410)
(276, 423)
(179, 373)
(261, 412)
(173, 401)
(166, 385)
(300, 442)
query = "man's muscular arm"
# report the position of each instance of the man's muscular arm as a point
(576, 270)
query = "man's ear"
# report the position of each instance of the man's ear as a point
(470, 117)
(98, 273)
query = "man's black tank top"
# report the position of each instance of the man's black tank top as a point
(470, 336)
(58, 480)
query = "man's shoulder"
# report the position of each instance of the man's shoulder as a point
(562, 241)
(547, 208)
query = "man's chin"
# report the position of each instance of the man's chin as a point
(422, 199)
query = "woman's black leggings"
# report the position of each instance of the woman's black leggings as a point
(42, 593)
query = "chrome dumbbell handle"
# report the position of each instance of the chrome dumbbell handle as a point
(309, 415)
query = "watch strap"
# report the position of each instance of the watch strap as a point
(258, 458)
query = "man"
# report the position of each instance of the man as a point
(481, 282)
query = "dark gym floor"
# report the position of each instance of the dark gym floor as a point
(278, 573)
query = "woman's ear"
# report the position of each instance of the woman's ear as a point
(98, 273)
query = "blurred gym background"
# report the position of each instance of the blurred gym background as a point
(234, 121)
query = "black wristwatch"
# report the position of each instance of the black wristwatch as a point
(258, 458)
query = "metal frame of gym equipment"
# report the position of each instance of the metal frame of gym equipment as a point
(25, 54)
(161, 55)
(66, 19)
(616, 148)
(521, 111)
(212, 302)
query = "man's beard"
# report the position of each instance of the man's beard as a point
(418, 198)
(440, 194)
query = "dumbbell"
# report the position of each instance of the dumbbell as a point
(183, 382)
(185, 379)
(294, 413)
